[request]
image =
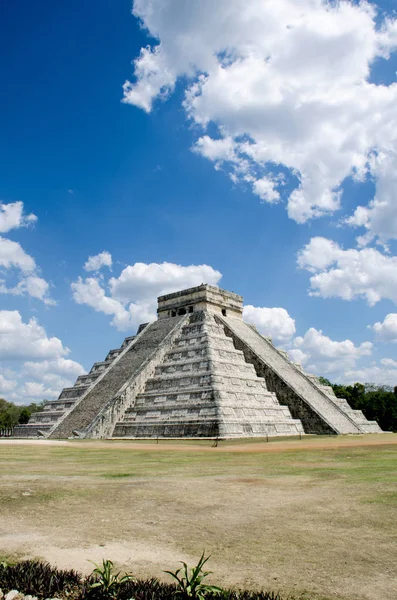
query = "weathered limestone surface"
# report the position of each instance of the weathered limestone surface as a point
(104, 423)
(319, 411)
(124, 367)
(198, 371)
(44, 422)
(204, 388)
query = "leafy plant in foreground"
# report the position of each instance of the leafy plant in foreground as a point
(38, 578)
(106, 581)
(190, 582)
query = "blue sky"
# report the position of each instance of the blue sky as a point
(297, 112)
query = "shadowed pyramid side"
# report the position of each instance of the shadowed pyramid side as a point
(319, 409)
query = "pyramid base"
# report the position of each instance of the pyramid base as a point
(209, 429)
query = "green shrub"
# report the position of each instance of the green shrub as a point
(105, 581)
(190, 584)
(38, 579)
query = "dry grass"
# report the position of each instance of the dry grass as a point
(315, 517)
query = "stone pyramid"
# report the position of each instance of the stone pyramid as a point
(205, 388)
(198, 371)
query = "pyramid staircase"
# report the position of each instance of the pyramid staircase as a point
(204, 388)
(42, 423)
(314, 404)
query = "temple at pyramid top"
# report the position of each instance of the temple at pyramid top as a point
(197, 371)
(205, 297)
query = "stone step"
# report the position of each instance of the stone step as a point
(31, 431)
(127, 341)
(86, 379)
(67, 402)
(265, 402)
(45, 417)
(198, 338)
(204, 428)
(205, 349)
(205, 378)
(371, 427)
(99, 367)
(163, 412)
(193, 390)
(195, 366)
(112, 354)
(207, 428)
(73, 392)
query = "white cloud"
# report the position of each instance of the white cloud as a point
(38, 391)
(6, 386)
(387, 331)
(13, 255)
(144, 281)
(286, 82)
(318, 354)
(19, 340)
(349, 273)
(265, 188)
(389, 362)
(379, 218)
(39, 367)
(131, 298)
(373, 374)
(273, 322)
(95, 263)
(15, 262)
(12, 217)
(35, 287)
(90, 292)
(58, 367)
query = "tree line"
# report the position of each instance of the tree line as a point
(11, 414)
(377, 402)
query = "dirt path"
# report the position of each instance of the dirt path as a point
(273, 445)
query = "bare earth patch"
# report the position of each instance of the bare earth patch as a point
(313, 517)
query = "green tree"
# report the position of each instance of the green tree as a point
(12, 414)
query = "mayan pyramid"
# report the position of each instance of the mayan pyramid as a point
(197, 371)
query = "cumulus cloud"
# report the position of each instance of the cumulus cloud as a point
(57, 367)
(389, 362)
(144, 281)
(19, 340)
(6, 386)
(95, 263)
(384, 374)
(15, 262)
(12, 217)
(387, 331)
(319, 354)
(89, 291)
(33, 365)
(349, 273)
(379, 217)
(13, 255)
(35, 287)
(285, 82)
(131, 298)
(265, 188)
(273, 322)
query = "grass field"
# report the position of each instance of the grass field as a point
(314, 518)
